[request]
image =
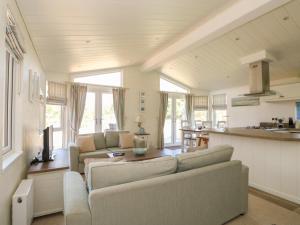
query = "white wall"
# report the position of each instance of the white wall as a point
(136, 81)
(26, 135)
(253, 115)
(58, 77)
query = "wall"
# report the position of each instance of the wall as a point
(252, 115)
(26, 135)
(136, 81)
(58, 77)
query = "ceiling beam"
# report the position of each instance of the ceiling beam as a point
(239, 13)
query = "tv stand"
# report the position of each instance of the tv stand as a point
(48, 183)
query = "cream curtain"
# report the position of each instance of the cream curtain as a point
(56, 93)
(76, 108)
(161, 121)
(189, 107)
(119, 106)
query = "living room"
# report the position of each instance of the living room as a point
(135, 97)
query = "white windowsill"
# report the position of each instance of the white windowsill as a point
(9, 158)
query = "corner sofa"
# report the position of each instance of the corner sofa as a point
(200, 188)
(104, 143)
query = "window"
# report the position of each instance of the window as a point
(200, 104)
(55, 117)
(105, 79)
(98, 113)
(11, 71)
(219, 108)
(298, 110)
(175, 113)
(168, 86)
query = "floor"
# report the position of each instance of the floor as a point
(261, 212)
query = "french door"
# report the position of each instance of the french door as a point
(175, 113)
(98, 114)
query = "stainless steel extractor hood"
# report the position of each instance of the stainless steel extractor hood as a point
(259, 79)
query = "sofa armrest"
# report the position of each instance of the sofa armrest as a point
(139, 142)
(76, 206)
(244, 189)
(74, 157)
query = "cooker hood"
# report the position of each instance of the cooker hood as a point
(259, 74)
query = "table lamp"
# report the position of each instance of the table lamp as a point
(139, 121)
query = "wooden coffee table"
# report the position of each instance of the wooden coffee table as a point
(150, 154)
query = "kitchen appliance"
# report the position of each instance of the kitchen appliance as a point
(297, 124)
(259, 74)
(291, 123)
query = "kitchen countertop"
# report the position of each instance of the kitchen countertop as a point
(257, 133)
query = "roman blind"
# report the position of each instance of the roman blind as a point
(56, 93)
(200, 102)
(13, 36)
(219, 101)
(298, 110)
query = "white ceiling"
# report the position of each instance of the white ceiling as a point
(216, 65)
(80, 35)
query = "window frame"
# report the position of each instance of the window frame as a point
(62, 121)
(98, 72)
(12, 70)
(297, 112)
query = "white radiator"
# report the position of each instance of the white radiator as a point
(22, 203)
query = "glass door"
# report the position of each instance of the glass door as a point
(175, 113)
(98, 113)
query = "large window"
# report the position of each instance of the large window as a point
(168, 86)
(11, 71)
(105, 79)
(219, 109)
(98, 113)
(298, 110)
(175, 113)
(55, 117)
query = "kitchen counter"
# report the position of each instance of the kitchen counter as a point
(258, 133)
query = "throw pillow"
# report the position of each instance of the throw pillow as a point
(126, 140)
(86, 143)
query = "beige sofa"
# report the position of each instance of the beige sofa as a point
(104, 143)
(201, 188)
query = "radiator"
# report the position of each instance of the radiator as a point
(22, 203)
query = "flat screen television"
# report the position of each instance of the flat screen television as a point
(47, 144)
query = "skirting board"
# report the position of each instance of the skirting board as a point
(291, 198)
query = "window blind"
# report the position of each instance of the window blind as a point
(56, 93)
(13, 37)
(200, 102)
(219, 101)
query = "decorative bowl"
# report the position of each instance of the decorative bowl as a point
(139, 151)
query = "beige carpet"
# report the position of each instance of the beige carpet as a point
(261, 212)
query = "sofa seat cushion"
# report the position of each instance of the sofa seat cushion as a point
(105, 174)
(96, 154)
(99, 140)
(214, 155)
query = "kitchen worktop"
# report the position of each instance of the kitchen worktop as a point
(259, 133)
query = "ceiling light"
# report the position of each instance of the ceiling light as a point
(237, 38)
(196, 57)
(87, 41)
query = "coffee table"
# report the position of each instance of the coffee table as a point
(150, 154)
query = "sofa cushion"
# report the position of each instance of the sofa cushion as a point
(95, 154)
(112, 138)
(104, 174)
(99, 141)
(192, 160)
(126, 140)
(86, 143)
